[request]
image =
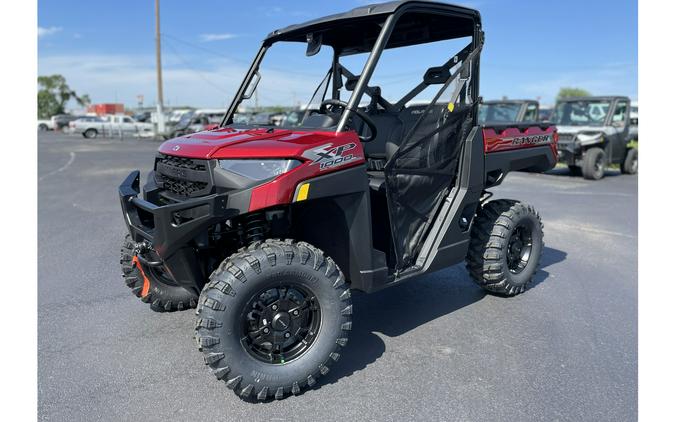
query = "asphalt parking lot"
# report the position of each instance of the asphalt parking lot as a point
(436, 348)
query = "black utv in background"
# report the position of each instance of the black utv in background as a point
(594, 132)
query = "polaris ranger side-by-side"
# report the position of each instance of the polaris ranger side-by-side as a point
(266, 230)
(595, 132)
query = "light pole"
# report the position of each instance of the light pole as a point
(160, 91)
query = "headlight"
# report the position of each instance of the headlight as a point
(589, 138)
(258, 169)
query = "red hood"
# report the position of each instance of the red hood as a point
(248, 143)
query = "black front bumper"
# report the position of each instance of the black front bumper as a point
(166, 228)
(568, 153)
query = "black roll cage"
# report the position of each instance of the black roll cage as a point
(433, 75)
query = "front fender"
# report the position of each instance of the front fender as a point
(586, 139)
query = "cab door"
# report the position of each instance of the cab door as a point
(422, 171)
(531, 112)
(620, 122)
(128, 125)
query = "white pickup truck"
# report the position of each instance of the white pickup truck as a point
(114, 125)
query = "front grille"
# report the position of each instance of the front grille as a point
(183, 176)
(566, 137)
(182, 162)
(183, 187)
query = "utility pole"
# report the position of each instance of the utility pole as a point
(160, 91)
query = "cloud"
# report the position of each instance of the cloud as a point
(217, 37)
(44, 32)
(605, 79)
(110, 77)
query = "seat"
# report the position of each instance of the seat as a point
(319, 121)
(376, 181)
(389, 127)
(380, 151)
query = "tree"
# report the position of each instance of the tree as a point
(572, 92)
(53, 95)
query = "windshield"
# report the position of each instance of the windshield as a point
(185, 119)
(545, 114)
(580, 113)
(498, 112)
(289, 81)
(286, 87)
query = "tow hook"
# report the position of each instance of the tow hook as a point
(142, 248)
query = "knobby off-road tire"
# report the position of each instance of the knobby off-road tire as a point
(151, 287)
(630, 163)
(593, 167)
(257, 275)
(499, 236)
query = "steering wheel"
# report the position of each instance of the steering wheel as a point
(343, 105)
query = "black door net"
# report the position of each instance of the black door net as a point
(423, 169)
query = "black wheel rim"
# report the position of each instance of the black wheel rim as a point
(599, 165)
(280, 323)
(519, 249)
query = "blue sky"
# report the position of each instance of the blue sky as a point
(106, 49)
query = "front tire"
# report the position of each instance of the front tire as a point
(630, 164)
(43, 127)
(593, 166)
(257, 321)
(148, 284)
(90, 133)
(507, 240)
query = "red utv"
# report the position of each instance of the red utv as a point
(266, 230)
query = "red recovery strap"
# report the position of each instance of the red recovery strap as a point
(146, 281)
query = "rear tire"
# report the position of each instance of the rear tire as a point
(593, 166)
(265, 352)
(147, 284)
(630, 164)
(90, 133)
(43, 127)
(507, 240)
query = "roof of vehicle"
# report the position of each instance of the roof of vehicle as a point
(594, 98)
(355, 31)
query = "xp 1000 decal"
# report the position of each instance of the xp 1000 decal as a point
(329, 156)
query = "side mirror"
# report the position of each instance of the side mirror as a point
(314, 43)
(252, 86)
(436, 75)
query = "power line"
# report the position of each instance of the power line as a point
(196, 71)
(293, 70)
(208, 50)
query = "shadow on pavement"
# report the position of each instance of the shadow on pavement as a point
(549, 257)
(564, 171)
(399, 309)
